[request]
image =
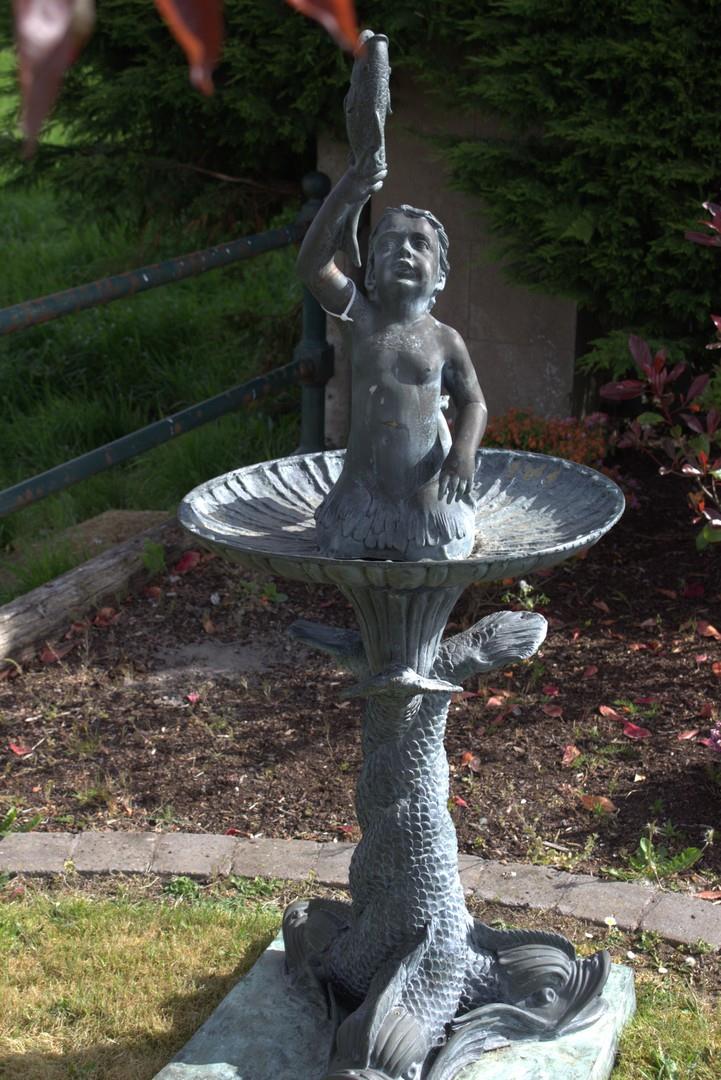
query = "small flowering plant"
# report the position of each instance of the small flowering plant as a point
(675, 430)
(585, 441)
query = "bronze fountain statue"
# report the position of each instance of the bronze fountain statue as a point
(405, 488)
(401, 523)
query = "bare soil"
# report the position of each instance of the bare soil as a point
(188, 707)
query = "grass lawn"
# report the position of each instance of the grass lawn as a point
(109, 987)
(106, 981)
(83, 380)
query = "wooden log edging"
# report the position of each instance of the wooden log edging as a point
(38, 615)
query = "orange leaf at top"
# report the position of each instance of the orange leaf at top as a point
(49, 35)
(705, 629)
(338, 17)
(197, 26)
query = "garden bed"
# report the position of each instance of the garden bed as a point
(188, 707)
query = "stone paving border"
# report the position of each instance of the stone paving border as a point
(677, 917)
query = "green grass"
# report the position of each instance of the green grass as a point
(676, 1035)
(111, 988)
(109, 984)
(81, 381)
(86, 379)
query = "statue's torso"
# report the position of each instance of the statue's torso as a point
(396, 422)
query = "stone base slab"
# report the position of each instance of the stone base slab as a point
(264, 1030)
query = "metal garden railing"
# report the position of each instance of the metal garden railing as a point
(312, 363)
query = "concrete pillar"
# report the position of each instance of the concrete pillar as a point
(522, 343)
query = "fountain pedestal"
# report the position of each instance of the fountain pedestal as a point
(415, 987)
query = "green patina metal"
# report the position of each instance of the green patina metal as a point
(146, 438)
(120, 286)
(312, 363)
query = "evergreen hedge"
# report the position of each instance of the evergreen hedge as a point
(609, 107)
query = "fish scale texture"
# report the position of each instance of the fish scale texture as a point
(404, 873)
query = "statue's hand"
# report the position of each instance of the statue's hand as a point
(355, 187)
(456, 477)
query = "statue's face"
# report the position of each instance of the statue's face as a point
(406, 257)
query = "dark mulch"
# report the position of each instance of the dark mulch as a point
(122, 741)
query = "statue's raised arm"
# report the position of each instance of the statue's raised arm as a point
(335, 227)
(406, 486)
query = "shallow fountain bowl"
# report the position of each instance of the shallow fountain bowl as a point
(532, 511)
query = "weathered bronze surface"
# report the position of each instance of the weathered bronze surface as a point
(401, 522)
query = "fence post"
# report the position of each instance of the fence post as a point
(313, 353)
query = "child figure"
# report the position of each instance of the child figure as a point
(405, 488)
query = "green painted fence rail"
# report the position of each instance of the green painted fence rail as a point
(120, 286)
(312, 363)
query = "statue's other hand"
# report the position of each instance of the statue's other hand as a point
(356, 187)
(456, 478)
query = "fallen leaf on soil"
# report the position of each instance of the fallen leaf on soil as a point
(77, 628)
(51, 654)
(105, 617)
(495, 702)
(187, 562)
(701, 658)
(706, 710)
(471, 761)
(705, 629)
(569, 755)
(233, 832)
(645, 701)
(716, 668)
(637, 646)
(459, 801)
(465, 694)
(602, 606)
(576, 634)
(690, 734)
(634, 731)
(670, 593)
(153, 592)
(193, 698)
(648, 624)
(19, 749)
(598, 802)
(610, 712)
(550, 690)
(709, 894)
(552, 710)
(590, 671)
(208, 624)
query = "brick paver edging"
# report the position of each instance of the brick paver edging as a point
(675, 916)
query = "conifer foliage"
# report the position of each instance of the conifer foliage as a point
(607, 136)
(613, 142)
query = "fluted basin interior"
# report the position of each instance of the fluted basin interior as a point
(532, 511)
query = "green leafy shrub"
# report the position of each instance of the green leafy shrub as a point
(675, 430)
(612, 141)
(129, 131)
